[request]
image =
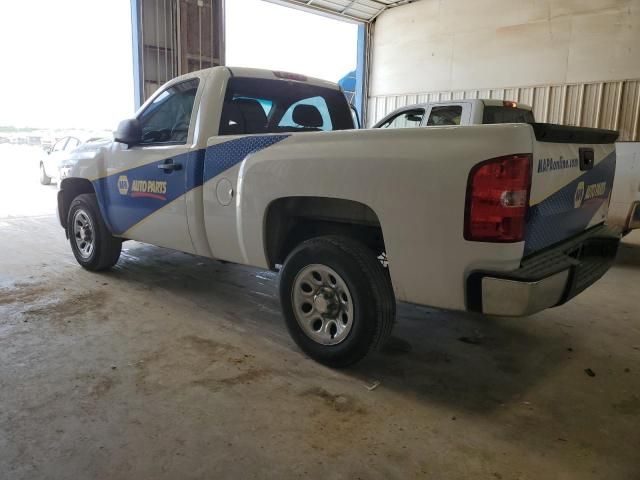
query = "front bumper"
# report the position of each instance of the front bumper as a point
(545, 279)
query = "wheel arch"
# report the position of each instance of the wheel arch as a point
(70, 188)
(288, 221)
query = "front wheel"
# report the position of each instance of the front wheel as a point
(337, 300)
(44, 178)
(91, 242)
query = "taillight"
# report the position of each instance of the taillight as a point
(497, 199)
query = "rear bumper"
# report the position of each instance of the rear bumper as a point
(545, 279)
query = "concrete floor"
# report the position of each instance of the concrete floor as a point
(172, 366)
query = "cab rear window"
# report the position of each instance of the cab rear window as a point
(495, 114)
(253, 105)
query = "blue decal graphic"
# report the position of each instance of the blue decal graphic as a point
(568, 211)
(223, 156)
(128, 197)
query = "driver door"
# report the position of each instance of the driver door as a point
(146, 183)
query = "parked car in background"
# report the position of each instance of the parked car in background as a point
(457, 112)
(624, 211)
(50, 163)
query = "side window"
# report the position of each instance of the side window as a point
(59, 146)
(494, 114)
(406, 119)
(445, 115)
(309, 114)
(257, 105)
(167, 118)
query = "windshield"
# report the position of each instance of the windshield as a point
(254, 105)
(494, 114)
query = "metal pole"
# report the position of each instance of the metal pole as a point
(157, 47)
(200, 34)
(172, 33)
(164, 41)
(222, 39)
(179, 35)
(138, 52)
(212, 30)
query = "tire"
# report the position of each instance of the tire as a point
(44, 179)
(353, 288)
(91, 242)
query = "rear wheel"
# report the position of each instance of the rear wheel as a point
(91, 242)
(44, 179)
(337, 300)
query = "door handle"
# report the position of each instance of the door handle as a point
(169, 166)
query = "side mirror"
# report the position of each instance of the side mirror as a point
(129, 132)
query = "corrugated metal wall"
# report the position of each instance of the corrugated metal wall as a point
(175, 37)
(612, 105)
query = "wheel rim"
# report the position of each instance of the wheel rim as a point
(322, 304)
(83, 233)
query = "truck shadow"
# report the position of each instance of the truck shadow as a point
(465, 361)
(462, 360)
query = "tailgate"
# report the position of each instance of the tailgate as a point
(572, 177)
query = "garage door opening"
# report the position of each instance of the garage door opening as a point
(265, 35)
(70, 82)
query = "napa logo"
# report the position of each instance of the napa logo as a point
(123, 185)
(595, 190)
(588, 192)
(142, 188)
(149, 189)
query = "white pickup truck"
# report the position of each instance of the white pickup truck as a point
(624, 211)
(457, 112)
(265, 169)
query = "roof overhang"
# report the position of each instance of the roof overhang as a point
(351, 10)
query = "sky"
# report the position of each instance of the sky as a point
(68, 63)
(65, 63)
